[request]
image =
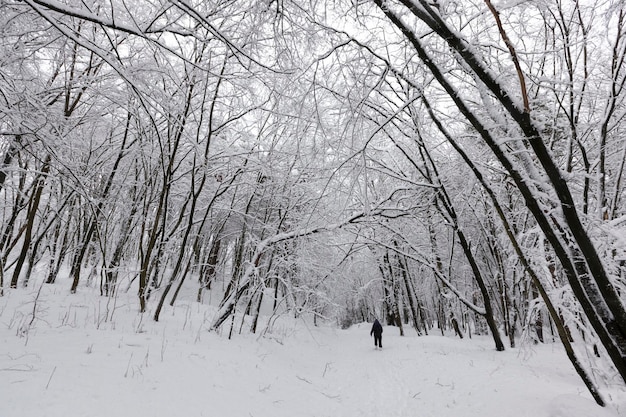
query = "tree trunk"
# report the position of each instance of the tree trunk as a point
(8, 157)
(561, 328)
(30, 220)
(411, 297)
(207, 271)
(591, 284)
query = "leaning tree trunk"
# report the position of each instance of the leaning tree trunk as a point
(445, 206)
(491, 322)
(587, 276)
(30, 220)
(561, 328)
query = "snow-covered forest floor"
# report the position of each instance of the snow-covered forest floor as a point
(85, 355)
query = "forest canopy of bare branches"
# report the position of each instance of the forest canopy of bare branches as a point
(433, 163)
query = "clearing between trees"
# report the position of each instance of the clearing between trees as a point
(85, 355)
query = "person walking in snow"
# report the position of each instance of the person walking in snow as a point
(377, 331)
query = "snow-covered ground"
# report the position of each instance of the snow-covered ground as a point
(84, 355)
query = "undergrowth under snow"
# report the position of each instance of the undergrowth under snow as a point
(83, 355)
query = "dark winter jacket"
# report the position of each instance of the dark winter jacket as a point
(377, 329)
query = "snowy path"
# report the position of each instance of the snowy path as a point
(69, 367)
(437, 376)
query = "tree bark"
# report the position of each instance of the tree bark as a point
(30, 220)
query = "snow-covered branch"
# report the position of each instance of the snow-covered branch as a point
(228, 304)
